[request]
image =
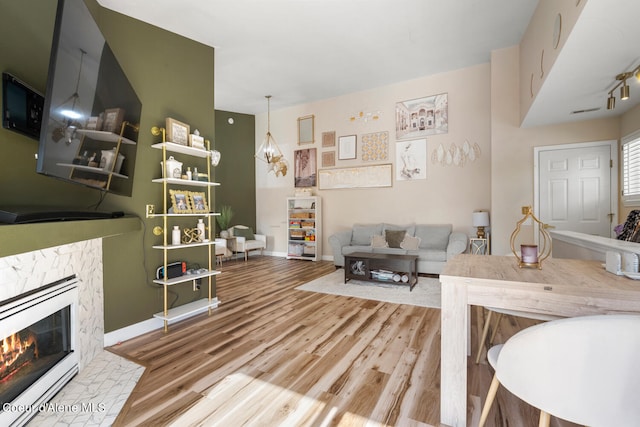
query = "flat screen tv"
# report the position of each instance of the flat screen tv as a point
(91, 111)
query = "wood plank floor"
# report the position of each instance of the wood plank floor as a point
(270, 355)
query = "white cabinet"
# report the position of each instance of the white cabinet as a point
(197, 194)
(304, 226)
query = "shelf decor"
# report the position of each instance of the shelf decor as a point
(177, 132)
(198, 201)
(530, 255)
(180, 201)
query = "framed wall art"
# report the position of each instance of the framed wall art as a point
(180, 201)
(411, 160)
(347, 147)
(423, 116)
(356, 177)
(305, 167)
(329, 139)
(328, 159)
(177, 132)
(305, 130)
(375, 146)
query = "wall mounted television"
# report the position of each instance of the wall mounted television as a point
(91, 113)
(21, 107)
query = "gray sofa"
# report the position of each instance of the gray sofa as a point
(433, 243)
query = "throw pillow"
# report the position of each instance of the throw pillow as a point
(410, 243)
(394, 237)
(378, 241)
(247, 233)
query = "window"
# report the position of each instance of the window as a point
(631, 169)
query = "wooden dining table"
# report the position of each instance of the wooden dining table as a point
(563, 287)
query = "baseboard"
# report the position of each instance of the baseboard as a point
(132, 331)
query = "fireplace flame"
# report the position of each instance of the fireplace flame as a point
(13, 347)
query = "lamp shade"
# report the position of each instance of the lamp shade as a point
(481, 219)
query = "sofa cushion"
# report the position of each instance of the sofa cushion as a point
(410, 229)
(361, 233)
(430, 254)
(348, 250)
(394, 251)
(378, 241)
(433, 236)
(410, 243)
(394, 237)
(247, 233)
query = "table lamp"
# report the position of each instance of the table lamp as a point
(481, 220)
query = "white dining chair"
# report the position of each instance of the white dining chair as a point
(582, 369)
(501, 312)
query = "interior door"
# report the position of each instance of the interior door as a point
(576, 187)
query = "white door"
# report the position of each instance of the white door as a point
(577, 187)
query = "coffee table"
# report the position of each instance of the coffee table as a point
(380, 268)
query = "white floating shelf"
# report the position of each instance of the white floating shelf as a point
(101, 135)
(182, 149)
(188, 310)
(179, 181)
(188, 245)
(186, 278)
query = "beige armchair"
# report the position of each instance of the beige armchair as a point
(245, 240)
(221, 250)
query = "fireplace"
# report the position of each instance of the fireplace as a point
(37, 340)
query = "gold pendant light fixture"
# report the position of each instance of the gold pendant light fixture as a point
(269, 152)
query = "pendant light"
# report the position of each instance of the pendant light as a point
(269, 152)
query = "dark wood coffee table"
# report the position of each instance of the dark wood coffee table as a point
(365, 265)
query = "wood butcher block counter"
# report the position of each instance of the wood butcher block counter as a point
(564, 287)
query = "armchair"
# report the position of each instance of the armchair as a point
(221, 250)
(245, 240)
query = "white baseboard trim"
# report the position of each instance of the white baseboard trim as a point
(135, 330)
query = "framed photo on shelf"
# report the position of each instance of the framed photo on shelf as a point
(177, 132)
(180, 201)
(347, 147)
(113, 118)
(198, 202)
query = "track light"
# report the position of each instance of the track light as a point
(624, 91)
(621, 82)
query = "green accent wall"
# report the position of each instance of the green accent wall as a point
(236, 172)
(174, 77)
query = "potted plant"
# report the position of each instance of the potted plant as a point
(224, 219)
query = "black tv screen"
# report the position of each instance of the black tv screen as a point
(91, 113)
(21, 107)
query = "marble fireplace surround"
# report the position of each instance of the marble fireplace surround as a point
(28, 271)
(34, 255)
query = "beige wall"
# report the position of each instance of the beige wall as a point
(449, 194)
(512, 147)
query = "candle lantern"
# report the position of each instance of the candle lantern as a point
(531, 255)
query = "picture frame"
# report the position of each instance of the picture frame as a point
(306, 130)
(198, 201)
(369, 176)
(305, 167)
(420, 117)
(329, 139)
(347, 147)
(177, 132)
(112, 121)
(328, 159)
(180, 201)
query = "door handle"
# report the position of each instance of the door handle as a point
(548, 227)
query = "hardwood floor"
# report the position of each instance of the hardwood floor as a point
(270, 355)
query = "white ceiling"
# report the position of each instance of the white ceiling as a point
(300, 51)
